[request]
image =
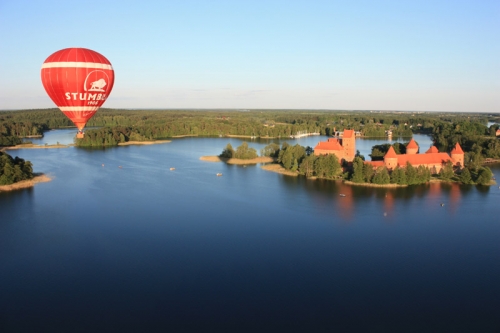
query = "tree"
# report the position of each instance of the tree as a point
(271, 150)
(306, 168)
(368, 172)
(379, 151)
(411, 174)
(465, 176)
(484, 176)
(244, 152)
(309, 150)
(289, 154)
(285, 157)
(381, 176)
(228, 152)
(423, 174)
(446, 172)
(474, 158)
(493, 130)
(358, 154)
(331, 166)
(398, 176)
(357, 175)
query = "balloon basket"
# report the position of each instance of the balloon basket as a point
(80, 135)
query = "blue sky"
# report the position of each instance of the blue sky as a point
(369, 55)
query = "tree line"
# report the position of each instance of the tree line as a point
(161, 124)
(477, 140)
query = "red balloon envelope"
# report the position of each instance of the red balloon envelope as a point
(79, 81)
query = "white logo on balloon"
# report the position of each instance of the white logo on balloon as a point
(96, 85)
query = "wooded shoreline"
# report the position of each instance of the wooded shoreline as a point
(258, 160)
(39, 178)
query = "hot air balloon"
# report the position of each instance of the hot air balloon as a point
(78, 81)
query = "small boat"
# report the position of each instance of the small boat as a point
(120, 166)
(172, 169)
(342, 194)
(219, 174)
(442, 204)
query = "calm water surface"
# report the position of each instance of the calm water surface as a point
(143, 248)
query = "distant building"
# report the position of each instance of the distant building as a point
(431, 159)
(344, 148)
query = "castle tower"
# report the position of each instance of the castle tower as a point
(349, 145)
(457, 155)
(391, 159)
(412, 148)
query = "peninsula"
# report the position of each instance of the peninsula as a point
(256, 160)
(38, 178)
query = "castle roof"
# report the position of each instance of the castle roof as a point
(432, 156)
(412, 144)
(457, 149)
(418, 159)
(348, 133)
(432, 150)
(391, 153)
(331, 144)
(376, 164)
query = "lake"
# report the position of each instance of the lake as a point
(119, 242)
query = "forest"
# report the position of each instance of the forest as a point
(13, 170)
(145, 125)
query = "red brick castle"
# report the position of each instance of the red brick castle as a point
(345, 149)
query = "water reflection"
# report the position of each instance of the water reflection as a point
(346, 201)
(17, 222)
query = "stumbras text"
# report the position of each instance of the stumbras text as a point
(85, 97)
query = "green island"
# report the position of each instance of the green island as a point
(300, 161)
(114, 127)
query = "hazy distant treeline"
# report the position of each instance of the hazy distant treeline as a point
(117, 126)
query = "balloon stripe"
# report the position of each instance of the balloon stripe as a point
(76, 65)
(77, 108)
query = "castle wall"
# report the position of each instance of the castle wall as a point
(458, 160)
(338, 153)
(411, 151)
(349, 145)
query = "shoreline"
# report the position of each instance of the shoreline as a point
(261, 159)
(130, 143)
(33, 146)
(348, 182)
(277, 168)
(39, 178)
